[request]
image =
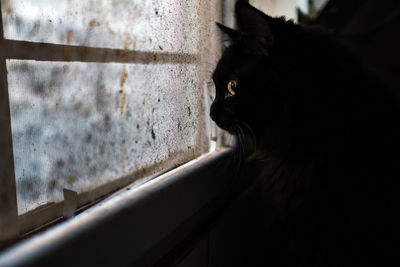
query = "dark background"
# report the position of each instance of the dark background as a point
(373, 28)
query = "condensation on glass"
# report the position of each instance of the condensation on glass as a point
(155, 25)
(80, 125)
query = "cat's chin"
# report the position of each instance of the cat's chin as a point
(229, 128)
(225, 126)
(235, 131)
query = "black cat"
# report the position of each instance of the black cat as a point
(326, 139)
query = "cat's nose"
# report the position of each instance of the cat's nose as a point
(213, 112)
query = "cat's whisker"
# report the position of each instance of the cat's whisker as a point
(236, 154)
(238, 145)
(243, 144)
(252, 135)
(238, 148)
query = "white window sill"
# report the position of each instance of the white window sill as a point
(136, 225)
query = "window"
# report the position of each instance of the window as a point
(97, 95)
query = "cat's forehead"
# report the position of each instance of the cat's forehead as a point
(246, 47)
(238, 54)
(227, 64)
(238, 59)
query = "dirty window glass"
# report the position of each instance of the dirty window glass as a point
(130, 24)
(81, 125)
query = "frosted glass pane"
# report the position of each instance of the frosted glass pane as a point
(80, 125)
(152, 25)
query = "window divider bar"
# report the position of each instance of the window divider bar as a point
(56, 52)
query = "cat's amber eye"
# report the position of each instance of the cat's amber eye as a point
(232, 87)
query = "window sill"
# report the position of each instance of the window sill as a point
(136, 225)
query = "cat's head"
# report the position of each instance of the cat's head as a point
(254, 79)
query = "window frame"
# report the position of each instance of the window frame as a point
(8, 203)
(14, 226)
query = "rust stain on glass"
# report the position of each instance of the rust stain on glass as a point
(122, 102)
(124, 75)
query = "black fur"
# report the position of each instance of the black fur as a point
(326, 136)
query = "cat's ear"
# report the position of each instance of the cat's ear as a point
(255, 23)
(231, 33)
